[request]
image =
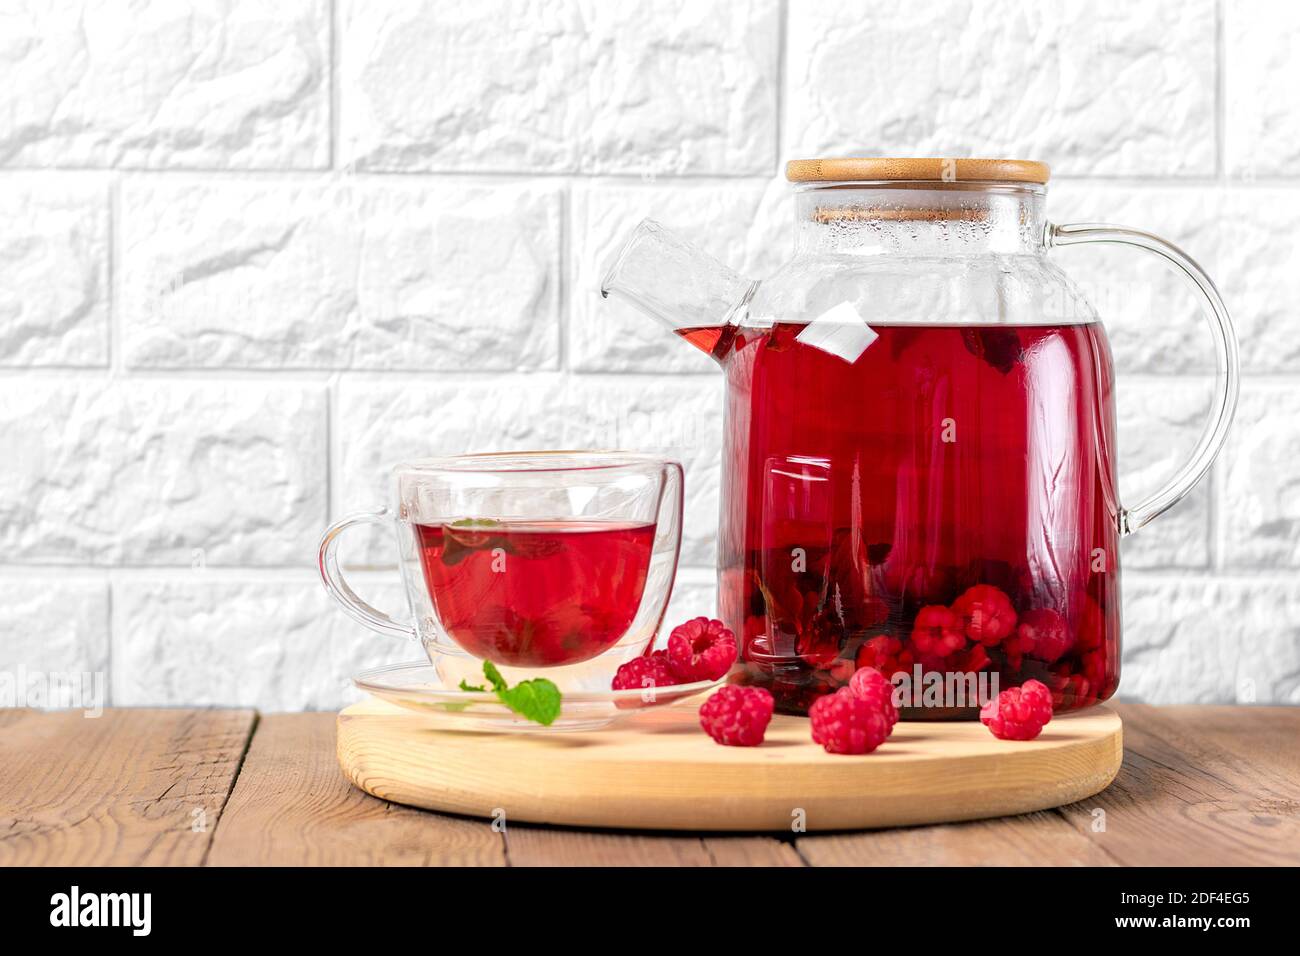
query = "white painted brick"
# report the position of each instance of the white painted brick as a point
(152, 472)
(687, 86)
(1262, 88)
(1261, 493)
(335, 275)
(232, 84)
(381, 425)
(199, 640)
(1103, 87)
(133, 471)
(1258, 272)
(52, 626)
(1241, 237)
(53, 272)
(748, 227)
(1207, 641)
(1152, 316)
(1159, 425)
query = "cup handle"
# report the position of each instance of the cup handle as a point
(1227, 363)
(339, 589)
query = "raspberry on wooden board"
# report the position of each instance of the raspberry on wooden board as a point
(737, 716)
(870, 685)
(846, 724)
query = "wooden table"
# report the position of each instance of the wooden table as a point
(1200, 786)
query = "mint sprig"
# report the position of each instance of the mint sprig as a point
(537, 699)
(475, 523)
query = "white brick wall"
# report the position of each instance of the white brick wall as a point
(253, 251)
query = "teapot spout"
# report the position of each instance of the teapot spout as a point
(671, 280)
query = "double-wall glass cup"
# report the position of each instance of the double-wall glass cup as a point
(554, 564)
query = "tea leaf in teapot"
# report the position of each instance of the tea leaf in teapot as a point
(878, 553)
(999, 347)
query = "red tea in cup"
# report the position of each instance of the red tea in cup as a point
(536, 593)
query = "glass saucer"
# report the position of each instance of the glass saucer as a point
(417, 686)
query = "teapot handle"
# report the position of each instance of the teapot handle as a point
(1227, 365)
(339, 589)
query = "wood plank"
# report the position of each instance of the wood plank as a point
(1032, 839)
(751, 851)
(1265, 738)
(1185, 799)
(292, 807)
(535, 846)
(1201, 785)
(1264, 772)
(127, 788)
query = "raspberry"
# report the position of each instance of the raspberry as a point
(1014, 648)
(845, 724)
(969, 661)
(1042, 634)
(842, 670)
(1019, 713)
(937, 631)
(649, 671)
(1092, 626)
(701, 649)
(1078, 692)
(1068, 689)
(919, 583)
(987, 614)
(872, 686)
(737, 716)
(816, 649)
(886, 654)
(1094, 668)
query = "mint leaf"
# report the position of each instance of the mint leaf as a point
(494, 677)
(537, 700)
(467, 535)
(466, 685)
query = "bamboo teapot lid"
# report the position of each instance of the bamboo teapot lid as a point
(928, 169)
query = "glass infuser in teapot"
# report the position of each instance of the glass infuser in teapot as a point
(919, 460)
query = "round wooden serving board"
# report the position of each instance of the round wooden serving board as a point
(659, 771)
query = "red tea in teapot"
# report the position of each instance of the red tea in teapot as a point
(942, 508)
(536, 593)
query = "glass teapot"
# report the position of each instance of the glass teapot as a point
(919, 460)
